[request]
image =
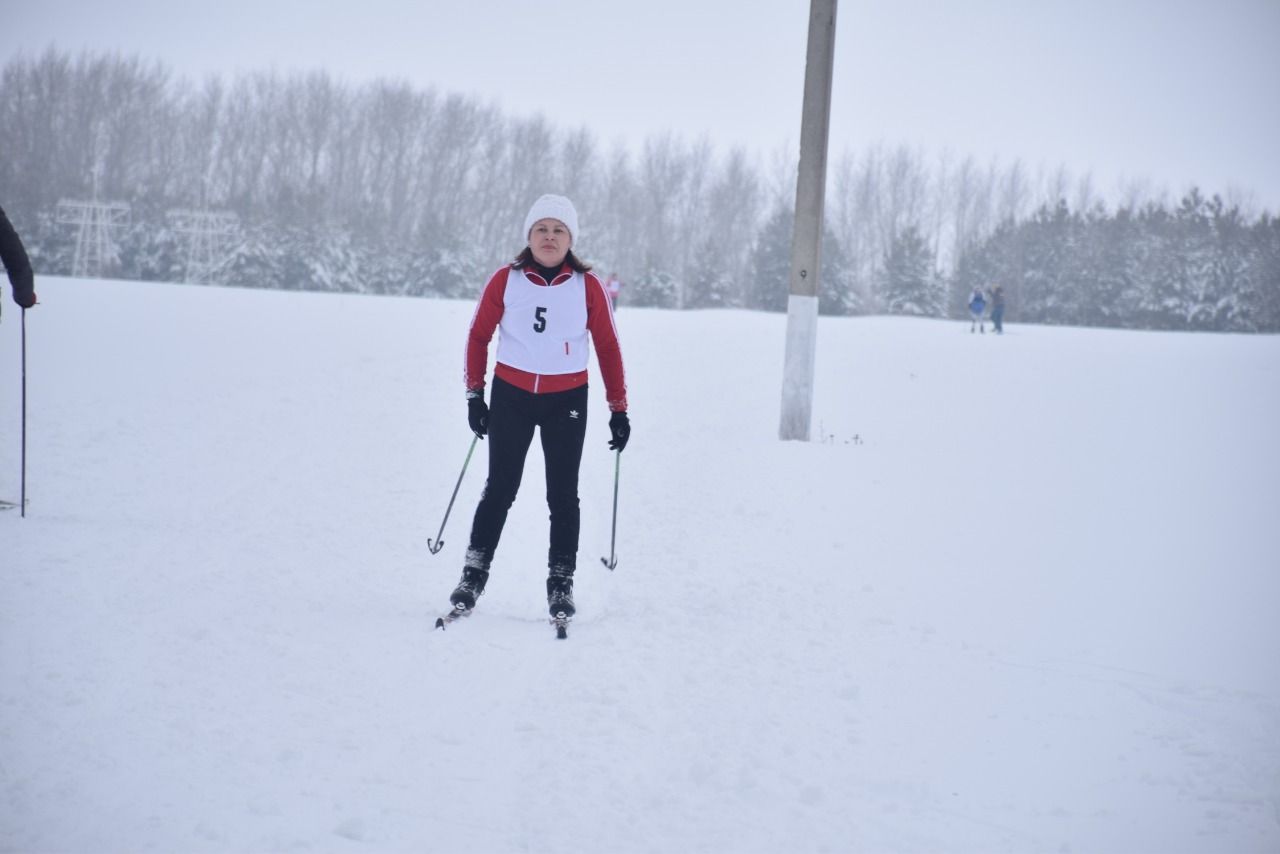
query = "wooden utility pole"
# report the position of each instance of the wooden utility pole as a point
(806, 242)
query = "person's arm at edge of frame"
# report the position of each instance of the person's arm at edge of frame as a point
(604, 335)
(17, 264)
(484, 322)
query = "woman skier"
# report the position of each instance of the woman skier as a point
(544, 304)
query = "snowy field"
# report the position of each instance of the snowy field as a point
(1020, 597)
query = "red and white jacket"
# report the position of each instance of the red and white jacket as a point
(542, 345)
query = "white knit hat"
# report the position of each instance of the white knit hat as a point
(552, 207)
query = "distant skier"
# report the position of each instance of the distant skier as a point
(16, 263)
(977, 305)
(997, 309)
(614, 286)
(544, 303)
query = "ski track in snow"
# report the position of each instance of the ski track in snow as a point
(1018, 595)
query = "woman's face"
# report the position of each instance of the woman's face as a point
(549, 239)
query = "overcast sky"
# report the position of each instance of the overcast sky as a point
(1175, 92)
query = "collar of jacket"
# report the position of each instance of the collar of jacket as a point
(533, 273)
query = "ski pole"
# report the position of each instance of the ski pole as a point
(438, 544)
(22, 498)
(613, 540)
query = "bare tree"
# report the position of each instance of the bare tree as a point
(663, 172)
(735, 211)
(854, 203)
(1015, 193)
(619, 217)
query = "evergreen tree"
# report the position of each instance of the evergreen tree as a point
(1230, 287)
(1099, 267)
(837, 293)
(1050, 264)
(1186, 259)
(1265, 295)
(712, 285)
(1110, 288)
(769, 285)
(254, 261)
(152, 253)
(908, 284)
(655, 288)
(1152, 265)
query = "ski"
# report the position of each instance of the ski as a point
(459, 611)
(560, 620)
(10, 505)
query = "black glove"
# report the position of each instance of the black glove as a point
(620, 427)
(477, 413)
(24, 287)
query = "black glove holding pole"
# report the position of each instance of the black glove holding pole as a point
(477, 412)
(620, 429)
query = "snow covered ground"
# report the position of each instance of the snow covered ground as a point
(1021, 596)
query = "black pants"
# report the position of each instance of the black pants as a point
(513, 414)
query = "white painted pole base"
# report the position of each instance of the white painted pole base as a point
(797, 367)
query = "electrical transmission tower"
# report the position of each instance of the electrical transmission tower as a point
(97, 224)
(205, 232)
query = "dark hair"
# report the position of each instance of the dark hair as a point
(525, 258)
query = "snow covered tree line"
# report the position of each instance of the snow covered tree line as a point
(388, 188)
(1200, 266)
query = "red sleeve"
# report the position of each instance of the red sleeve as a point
(604, 334)
(483, 323)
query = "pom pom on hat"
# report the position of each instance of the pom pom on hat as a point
(552, 207)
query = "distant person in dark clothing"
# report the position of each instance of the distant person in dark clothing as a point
(997, 309)
(16, 264)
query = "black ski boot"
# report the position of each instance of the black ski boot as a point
(470, 588)
(560, 593)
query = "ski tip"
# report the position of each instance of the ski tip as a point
(459, 611)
